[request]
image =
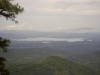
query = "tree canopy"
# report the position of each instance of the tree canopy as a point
(10, 10)
(4, 43)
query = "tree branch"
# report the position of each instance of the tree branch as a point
(4, 14)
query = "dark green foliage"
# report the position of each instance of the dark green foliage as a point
(3, 69)
(9, 10)
(52, 65)
(4, 43)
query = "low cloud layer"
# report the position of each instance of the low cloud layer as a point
(22, 26)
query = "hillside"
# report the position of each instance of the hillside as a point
(52, 65)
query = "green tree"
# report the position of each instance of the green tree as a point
(9, 10)
(4, 43)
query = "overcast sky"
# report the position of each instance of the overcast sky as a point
(57, 16)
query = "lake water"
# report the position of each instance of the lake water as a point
(45, 39)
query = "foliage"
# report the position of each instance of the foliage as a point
(4, 43)
(3, 69)
(52, 65)
(10, 10)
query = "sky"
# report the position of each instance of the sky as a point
(56, 16)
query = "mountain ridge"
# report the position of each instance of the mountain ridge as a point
(53, 65)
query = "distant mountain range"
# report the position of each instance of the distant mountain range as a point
(24, 34)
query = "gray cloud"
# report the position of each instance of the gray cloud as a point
(57, 15)
(83, 7)
(83, 29)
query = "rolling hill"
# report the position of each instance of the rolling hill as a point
(52, 65)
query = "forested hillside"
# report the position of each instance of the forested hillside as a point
(52, 65)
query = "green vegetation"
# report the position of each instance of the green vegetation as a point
(10, 10)
(52, 65)
(4, 43)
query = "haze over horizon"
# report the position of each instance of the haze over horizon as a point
(57, 16)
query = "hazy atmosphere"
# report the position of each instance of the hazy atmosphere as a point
(57, 16)
(52, 37)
